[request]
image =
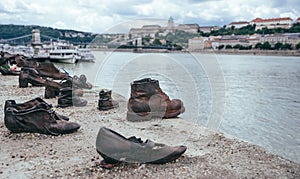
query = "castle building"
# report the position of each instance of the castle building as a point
(171, 25)
(238, 25)
(283, 22)
(152, 30)
(208, 29)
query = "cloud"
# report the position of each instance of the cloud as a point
(102, 16)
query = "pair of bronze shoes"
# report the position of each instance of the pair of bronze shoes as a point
(147, 100)
(36, 116)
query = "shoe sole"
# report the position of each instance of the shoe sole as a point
(105, 108)
(139, 117)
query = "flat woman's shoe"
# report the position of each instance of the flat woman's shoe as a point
(114, 148)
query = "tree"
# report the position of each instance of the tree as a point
(258, 46)
(156, 42)
(298, 46)
(237, 46)
(177, 47)
(278, 46)
(228, 47)
(286, 47)
(220, 47)
(146, 40)
(266, 46)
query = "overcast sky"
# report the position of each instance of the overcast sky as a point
(102, 16)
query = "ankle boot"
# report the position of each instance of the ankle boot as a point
(23, 79)
(37, 120)
(76, 82)
(52, 89)
(105, 101)
(81, 82)
(147, 100)
(34, 103)
(67, 98)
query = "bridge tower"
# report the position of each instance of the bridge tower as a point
(36, 41)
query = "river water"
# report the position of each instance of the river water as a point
(254, 98)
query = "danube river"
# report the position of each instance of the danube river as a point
(254, 98)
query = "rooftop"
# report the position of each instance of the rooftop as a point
(271, 19)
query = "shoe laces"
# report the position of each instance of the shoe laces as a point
(52, 114)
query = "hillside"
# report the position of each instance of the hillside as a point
(11, 31)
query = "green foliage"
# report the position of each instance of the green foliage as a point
(266, 46)
(100, 40)
(278, 46)
(250, 29)
(286, 47)
(156, 42)
(295, 28)
(177, 47)
(228, 47)
(237, 46)
(258, 45)
(179, 37)
(298, 46)
(12, 31)
(146, 40)
(221, 47)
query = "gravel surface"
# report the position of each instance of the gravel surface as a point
(209, 154)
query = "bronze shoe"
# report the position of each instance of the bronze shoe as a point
(147, 101)
(105, 101)
(34, 103)
(37, 120)
(46, 69)
(115, 148)
(30, 75)
(68, 98)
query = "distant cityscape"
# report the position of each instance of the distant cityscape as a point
(203, 37)
(271, 33)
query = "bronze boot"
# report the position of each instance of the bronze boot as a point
(147, 101)
(52, 89)
(68, 98)
(105, 101)
(81, 82)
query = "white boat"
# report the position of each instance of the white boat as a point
(86, 55)
(63, 52)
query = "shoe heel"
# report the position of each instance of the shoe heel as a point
(23, 83)
(51, 92)
(134, 117)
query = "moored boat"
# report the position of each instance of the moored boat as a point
(86, 55)
(63, 52)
